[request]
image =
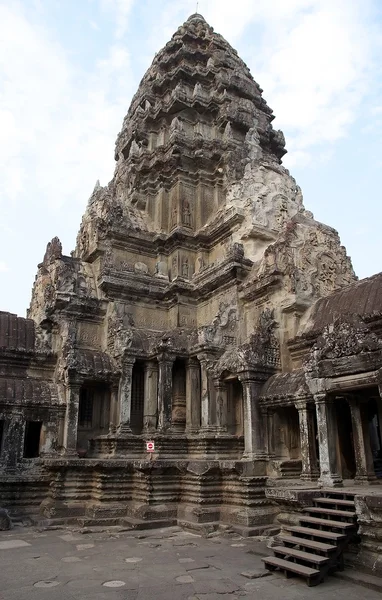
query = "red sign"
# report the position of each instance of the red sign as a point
(150, 446)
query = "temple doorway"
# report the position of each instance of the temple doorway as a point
(178, 417)
(137, 397)
(287, 428)
(93, 414)
(346, 453)
(235, 413)
(286, 441)
(374, 415)
(32, 439)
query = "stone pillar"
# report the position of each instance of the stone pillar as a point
(207, 396)
(271, 432)
(361, 437)
(165, 392)
(114, 405)
(221, 405)
(254, 447)
(327, 441)
(266, 436)
(125, 386)
(13, 441)
(49, 438)
(178, 412)
(379, 412)
(150, 410)
(71, 419)
(310, 471)
(193, 396)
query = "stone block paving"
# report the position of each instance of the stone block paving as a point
(169, 564)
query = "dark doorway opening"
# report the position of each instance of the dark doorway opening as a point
(32, 439)
(85, 414)
(345, 439)
(1, 435)
(137, 397)
(178, 416)
(93, 412)
(375, 435)
(315, 432)
(235, 407)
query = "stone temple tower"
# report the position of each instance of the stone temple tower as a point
(191, 272)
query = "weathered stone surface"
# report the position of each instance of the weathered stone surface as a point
(5, 520)
(255, 573)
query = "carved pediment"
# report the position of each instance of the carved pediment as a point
(347, 336)
(262, 350)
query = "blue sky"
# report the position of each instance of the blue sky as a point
(68, 70)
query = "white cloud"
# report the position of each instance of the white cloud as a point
(318, 74)
(3, 267)
(57, 123)
(313, 58)
(121, 10)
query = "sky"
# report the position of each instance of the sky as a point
(69, 68)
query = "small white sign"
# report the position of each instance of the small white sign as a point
(150, 446)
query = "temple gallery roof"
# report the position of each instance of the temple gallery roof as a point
(286, 386)
(16, 332)
(362, 298)
(28, 391)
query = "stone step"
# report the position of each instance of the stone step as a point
(272, 562)
(327, 535)
(327, 523)
(333, 512)
(319, 546)
(134, 523)
(336, 501)
(315, 559)
(338, 495)
(98, 521)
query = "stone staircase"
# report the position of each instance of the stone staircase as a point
(315, 548)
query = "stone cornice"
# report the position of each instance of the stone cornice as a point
(130, 285)
(256, 289)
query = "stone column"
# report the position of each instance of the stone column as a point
(125, 386)
(48, 438)
(178, 412)
(193, 396)
(266, 436)
(379, 412)
(362, 450)
(150, 410)
(310, 471)
(254, 447)
(71, 419)
(165, 392)
(221, 405)
(13, 441)
(327, 441)
(271, 432)
(207, 396)
(113, 417)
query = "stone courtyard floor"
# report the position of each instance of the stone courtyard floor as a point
(168, 564)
